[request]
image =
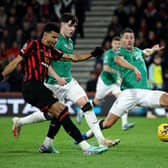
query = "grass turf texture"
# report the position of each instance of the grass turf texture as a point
(139, 147)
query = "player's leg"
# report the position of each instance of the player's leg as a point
(60, 111)
(38, 95)
(53, 129)
(124, 102)
(35, 117)
(101, 91)
(164, 100)
(152, 98)
(47, 146)
(94, 124)
(78, 95)
(125, 125)
(150, 114)
(106, 123)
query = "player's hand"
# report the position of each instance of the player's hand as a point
(61, 81)
(137, 74)
(156, 48)
(98, 51)
(1, 77)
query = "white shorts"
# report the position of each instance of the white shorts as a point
(130, 98)
(102, 89)
(71, 91)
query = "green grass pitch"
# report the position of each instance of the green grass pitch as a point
(139, 147)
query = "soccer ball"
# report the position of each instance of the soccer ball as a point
(162, 132)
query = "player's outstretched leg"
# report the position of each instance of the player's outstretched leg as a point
(35, 117)
(64, 120)
(125, 125)
(89, 134)
(94, 125)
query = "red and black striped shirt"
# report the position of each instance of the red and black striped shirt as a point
(37, 58)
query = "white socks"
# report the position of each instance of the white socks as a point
(89, 133)
(84, 145)
(124, 119)
(48, 142)
(32, 118)
(94, 125)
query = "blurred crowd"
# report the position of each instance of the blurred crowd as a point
(24, 20)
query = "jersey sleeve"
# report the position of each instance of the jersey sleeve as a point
(105, 60)
(108, 59)
(26, 49)
(56, 54)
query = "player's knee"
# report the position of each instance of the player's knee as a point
(63, 114)
(87, 107)
(57, 108)
(164, 100)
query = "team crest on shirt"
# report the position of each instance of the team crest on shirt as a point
(118, 50)
(136, 56)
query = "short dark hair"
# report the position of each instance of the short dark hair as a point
(117, 38)
(126, 30)
(66, 17)
(51, 27)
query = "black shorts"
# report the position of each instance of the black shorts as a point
(35, 93)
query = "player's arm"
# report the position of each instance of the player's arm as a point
(69, 57)
(123, 63)
(10, 67)
(98, 51)
(108, 69)
(61, 81)
(150, 51)
(75, 57)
